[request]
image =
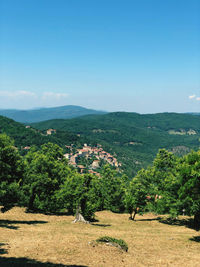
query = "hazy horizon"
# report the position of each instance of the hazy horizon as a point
(98, 109)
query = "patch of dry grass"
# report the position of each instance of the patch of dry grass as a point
(57, 240)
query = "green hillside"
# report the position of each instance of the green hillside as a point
(134, 138)
(42, 114)
(29, 136)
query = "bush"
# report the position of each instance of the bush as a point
(115, 242)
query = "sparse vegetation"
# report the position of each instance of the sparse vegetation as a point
(26, 238)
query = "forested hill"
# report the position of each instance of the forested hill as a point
(134, 138)
(161, 121)
(25, 137)
(42, 114)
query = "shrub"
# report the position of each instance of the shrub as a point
(115, 242)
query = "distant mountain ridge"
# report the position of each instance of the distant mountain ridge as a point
(43, 114)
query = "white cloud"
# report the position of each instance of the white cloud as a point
(198, 98)
(26, 93)
(192, 96)
(22, 99)
(57, 96)
(16, 93)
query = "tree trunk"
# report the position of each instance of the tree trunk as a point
(79, 217)
(197, 221)
(131, 216)
(82, 205)
(6, 208)
(31, 200)
(135, 212)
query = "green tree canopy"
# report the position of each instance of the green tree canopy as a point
(165, 183)
(45, 171)
(189, 192)
(80, 191)
(11, 173)
(137, 193)
(112, 190)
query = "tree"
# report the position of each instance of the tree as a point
(136, 195)
(165, 182)
(80, 195)
(189, 192)
(51, 185)
(11, 173)
(87, 202)
(45, 171)
(112, 190)
(83, 194)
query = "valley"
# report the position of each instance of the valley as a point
(132, 138)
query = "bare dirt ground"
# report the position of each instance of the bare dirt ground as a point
(42, 240)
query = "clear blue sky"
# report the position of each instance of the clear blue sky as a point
(131, 55)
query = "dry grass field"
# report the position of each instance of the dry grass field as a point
(42, 240)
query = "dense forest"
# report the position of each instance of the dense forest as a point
(134, 138)
(28, 136)
(42, 181)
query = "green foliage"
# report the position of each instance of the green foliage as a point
(189, 191)
(69, 194)
(49, 184)
(112, 190)
(165, 182)
(172, 184)
(89, 200)
(120, 242)
(155, 188)
(136, 195)
(45, 171)
(169, 185)
(31, 137)
(80, 191)
(11, 173)
(134, 138)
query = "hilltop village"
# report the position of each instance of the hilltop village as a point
(86, 159)
(90, 158)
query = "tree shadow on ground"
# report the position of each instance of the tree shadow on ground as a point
(101, 224)
(189, 223)
(2, 250)
(25, 262)
(57, 214)
(93, 220)
(66, 213)
(9, 223)
(195, 239)
(147, 220)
